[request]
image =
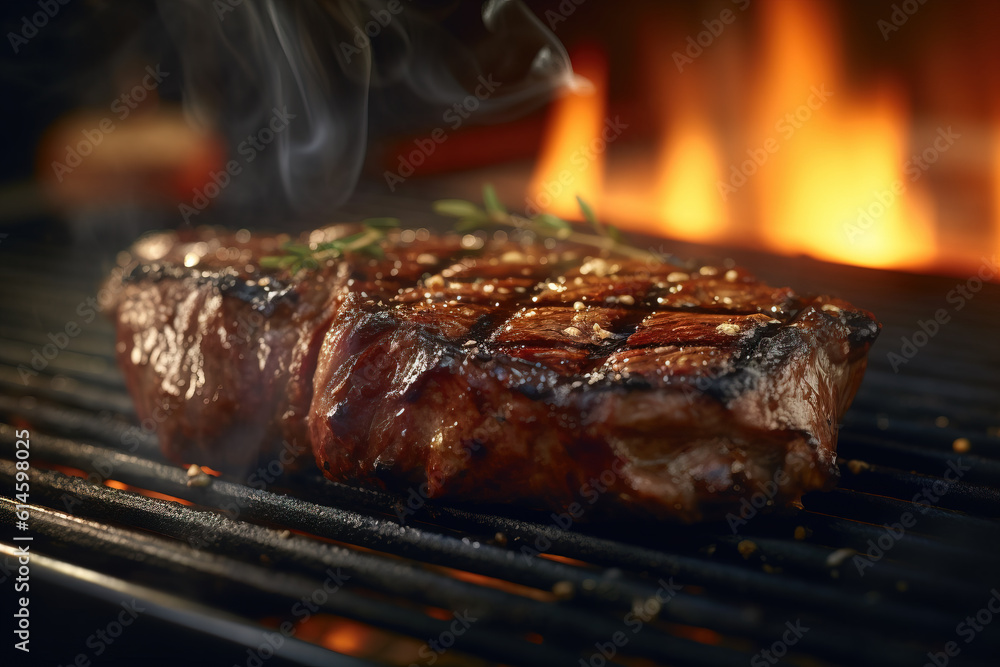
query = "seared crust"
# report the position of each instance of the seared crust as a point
(218, 356)
(498, 372)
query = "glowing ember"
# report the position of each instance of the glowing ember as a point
(347, 637)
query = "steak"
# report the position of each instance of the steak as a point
(495, 370)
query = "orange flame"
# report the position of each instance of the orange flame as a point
(816, 164)
(572, 160)
(995, 245)
(687, 202)
(835, 187)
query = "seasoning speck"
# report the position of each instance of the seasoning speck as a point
(601, 333)
(728, 328)
(513, 257)
(856, 466)
(746, 547)
(563, 590)
(197, 477)
(839, 556)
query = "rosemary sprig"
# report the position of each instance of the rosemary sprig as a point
(469, 216)
(300, 256)
(492, 213)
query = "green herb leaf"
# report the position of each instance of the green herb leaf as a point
(297, 249)
(381, 224)
(492, 202)
(470, 216)
(347, 241)
(588, 215)
(470, 224)
(613, 233)
(300, 256)
(549, 220)
(458, 208)
(372, 250)
(277, 261)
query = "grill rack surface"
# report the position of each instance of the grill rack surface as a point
(218, 575)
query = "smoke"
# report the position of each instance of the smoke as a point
(317, 79)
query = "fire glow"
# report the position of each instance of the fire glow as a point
(812, 163)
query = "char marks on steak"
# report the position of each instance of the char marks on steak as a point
(493, 371)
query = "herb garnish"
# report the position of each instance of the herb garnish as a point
(470, 216)
(492, 213)
(309, 256)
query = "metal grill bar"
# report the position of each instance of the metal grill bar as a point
(124, 546)
(104, 506)
(215, 533)
(739, 588)
(178, 610)
(386, 535)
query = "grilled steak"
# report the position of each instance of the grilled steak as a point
(493, 370)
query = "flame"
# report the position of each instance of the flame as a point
(835, 188)
(811, 162)
(851, 205)
(687, 201)
(572, 158)
(995, 245)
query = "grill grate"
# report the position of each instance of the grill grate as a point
(227, 563)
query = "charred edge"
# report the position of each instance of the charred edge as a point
(757, 356)
(263, 293)
(864, 328)
(535, 392)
